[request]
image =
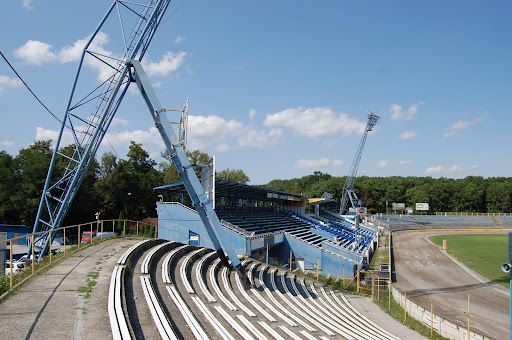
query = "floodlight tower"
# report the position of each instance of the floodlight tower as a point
(124, 33)
(90, 111)
(348, 189)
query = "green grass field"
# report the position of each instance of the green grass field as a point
(483, 253)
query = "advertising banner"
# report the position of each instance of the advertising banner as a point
(422, 206)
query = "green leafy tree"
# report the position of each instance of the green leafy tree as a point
(8, 212)
(233, 175)
(31, 166)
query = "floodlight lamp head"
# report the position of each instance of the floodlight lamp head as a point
(372, 121)
(505, 267)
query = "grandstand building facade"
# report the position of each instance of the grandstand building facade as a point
(259, 221)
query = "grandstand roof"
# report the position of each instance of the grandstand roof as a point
(320, 200)
(223, 187)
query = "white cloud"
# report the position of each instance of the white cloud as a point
(27, 4)
(7, 143)
(6, 82)
(36, 53)
(179, 39)
(168, 63)
(406, 162)
(316, 122)
(337, 162)
(383, 163)
(441, 170)
(435, 170)
(408, 134)
(475, 167)
(148, 138)
(45, 134)
(252, 114)
(455, 169)
(397, 112)
(214, 132)
(457, 128)
(317, 163)
(119, 122)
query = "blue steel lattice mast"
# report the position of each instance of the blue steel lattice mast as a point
(90, 109)
(90, 112)
(348, 189)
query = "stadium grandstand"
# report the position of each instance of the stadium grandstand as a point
(260, 222)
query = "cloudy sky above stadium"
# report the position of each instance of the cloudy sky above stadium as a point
(281, 88)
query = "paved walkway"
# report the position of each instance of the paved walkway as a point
(373, 312)
(52, 307)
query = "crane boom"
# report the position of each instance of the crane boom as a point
(348, 189)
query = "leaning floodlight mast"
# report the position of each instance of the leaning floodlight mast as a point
(90, 111)
(348, 193)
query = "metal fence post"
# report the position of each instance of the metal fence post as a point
(10, 263)
(50, 247)
(33, 264)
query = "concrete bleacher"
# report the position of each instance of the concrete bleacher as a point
(187, 301)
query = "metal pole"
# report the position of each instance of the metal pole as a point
(102, 230)
(378, 288)
(357, 285)
(137, 228)
(50, 247)
(317, 267)
(91, 232)
(431, 319)
(64, 232)
(10, 263)
(290, 259)
(124, 228)
(405, 306)
(343, 275)
(79, 237)
(469, 321)
(389, 296)
(33, 258)
(373, 286)
(266, 259)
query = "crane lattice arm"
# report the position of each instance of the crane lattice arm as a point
(348, 189)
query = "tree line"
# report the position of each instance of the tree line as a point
(115, 187)
(470, 194)
(123, 188)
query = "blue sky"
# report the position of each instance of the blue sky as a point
(281, 88)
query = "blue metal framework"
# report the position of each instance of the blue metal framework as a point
(90, 109)
(348, 188)
(174, 145)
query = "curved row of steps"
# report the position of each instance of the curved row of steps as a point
(178, 291)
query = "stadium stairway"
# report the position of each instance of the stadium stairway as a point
(170, 290)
